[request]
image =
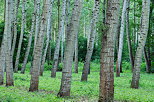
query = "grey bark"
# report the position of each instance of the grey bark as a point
(7, 43)
(60, 32)
(69, 50)
(38, 48)
(76, 62)
(106, 91)
(122, 29)
(23, 23)
(141, 43)
(15, 25)
(30, 39)
(128, 36)
(49, 30)
(91, 41)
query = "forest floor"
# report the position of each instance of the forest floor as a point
(80, 91)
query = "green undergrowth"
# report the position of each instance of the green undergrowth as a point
(80, 91)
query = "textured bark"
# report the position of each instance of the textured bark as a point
(141, 44)
(47, 40)
(15, 25)
(60, 32)
(128, 36)
(76, 62)
(38, 48)
(7, 41)
(23, 23)
(147, 61)
(91, 41)
(122, 29)
(30, 40)
(69, 50)
(107, 53)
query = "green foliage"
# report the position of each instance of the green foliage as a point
(80, 91)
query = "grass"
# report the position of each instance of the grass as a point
(80, 91)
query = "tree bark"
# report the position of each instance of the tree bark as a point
(60, 32)
(23, 23)
(7, 43)
(91, 42)
(30, 39)
(141, 44)
(122, 28)
(76, 62)
(15, 26)
(49, 30)
(69, 50)
(107, 53)
(38, 48)
(128, 36)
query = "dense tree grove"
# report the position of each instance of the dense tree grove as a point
(68, 36)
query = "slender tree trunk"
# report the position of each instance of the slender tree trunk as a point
(7, 41)
(15, 26)
(21, 35)
(38, 48)
(122, 29)
(60, 32)
(147, 61)
(91, 42)
(107, 53)
(76, 62)
(69, 50)
(49, 30)
(30, 39)
(128, 36)
(141, 44)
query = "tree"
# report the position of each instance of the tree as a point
(106, 91)
(69, 50)
(60, 33)
(21, 34)
(131, 57)
(47, 40)
(91, 42)
(30, 38)
(76, 62)
(122, 28)
(38, 48)
(141, 43)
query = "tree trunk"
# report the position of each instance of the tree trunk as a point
(69, 50)
(147, 61)
(122, 28)
(38, 48)
(128, 36)
(21, 35)
(76, 62)
(91, 42)
(30, 39)
(7, 43)
(15, 26)
(107, 53)
(49, 30)
(60, 32)
(141, 44)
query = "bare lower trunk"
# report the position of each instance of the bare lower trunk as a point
(21, 35)
(141, 44)
(91, 41)
(29, 41)
(38, 48)
(128, 36)
(107, 53)
(76, 62)
(60, 33)
(47, 40)
(8, 35)
(122, 28)
(69, 50)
